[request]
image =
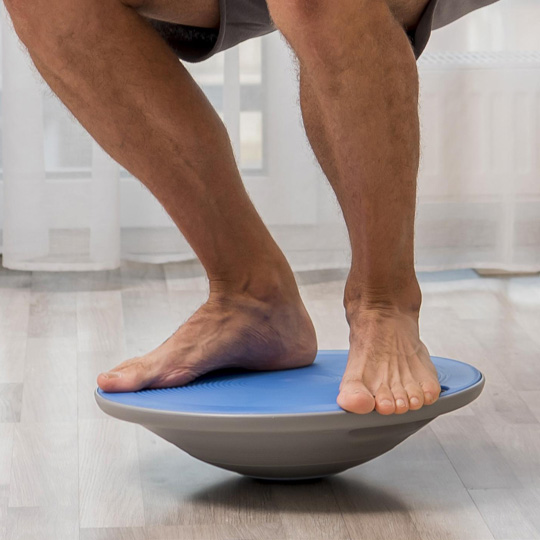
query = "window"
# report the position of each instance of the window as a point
(67, 146)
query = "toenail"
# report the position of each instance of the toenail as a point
(400, 403)
(429, 397)
(112, 375)
(386, 402)
(415, 401)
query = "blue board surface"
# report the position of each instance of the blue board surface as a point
(311, 389)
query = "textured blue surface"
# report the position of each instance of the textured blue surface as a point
(311, 389)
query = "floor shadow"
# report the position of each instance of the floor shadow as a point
(353, 495)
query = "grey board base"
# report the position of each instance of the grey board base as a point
(287, 446)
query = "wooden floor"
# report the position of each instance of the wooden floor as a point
(68, 471)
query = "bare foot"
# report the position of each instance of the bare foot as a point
(388, 368)
(228, 330)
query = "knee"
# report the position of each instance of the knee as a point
(300, 14)
(46, 25)
(20, 13)
(36, 22)
(285, 11)
(294, 16)
(327, 22)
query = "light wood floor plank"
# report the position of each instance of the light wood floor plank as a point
(14, 312)
(509, 513)
(207, 531)
(50, 387)
(417, 495)
(6, 451)
(520, 447)
(325, 306)
(100, 321)
(10, 402)
(147, 320)
(136, 276)
(43, 523)
(109, 482)
(4, 501)
(44, 465)
(12, 355)
(14, 319)
(53, 314)
(186, 276)
(532, 398)
(309, 511)
(510, 348)
(114, 533)
(476, 458)
(371, 511)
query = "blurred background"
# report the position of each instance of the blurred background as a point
(66, 205)
(70, 472)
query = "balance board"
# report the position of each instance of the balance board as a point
(283, 425)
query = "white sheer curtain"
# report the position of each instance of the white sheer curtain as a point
(68, 206)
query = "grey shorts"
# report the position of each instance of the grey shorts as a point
(241, 20)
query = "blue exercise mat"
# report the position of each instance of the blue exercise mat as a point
(311, 389)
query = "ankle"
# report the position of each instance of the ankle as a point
(404, 298)
(271, 284)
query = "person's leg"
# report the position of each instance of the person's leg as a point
(359, 101)
(133, 95)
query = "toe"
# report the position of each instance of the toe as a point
(355, 397)
(384, 400)
(431, 390)
(416, 395)
(129, 376)
(401, 399)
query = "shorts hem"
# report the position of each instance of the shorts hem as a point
(420, 37)
(220, 37)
